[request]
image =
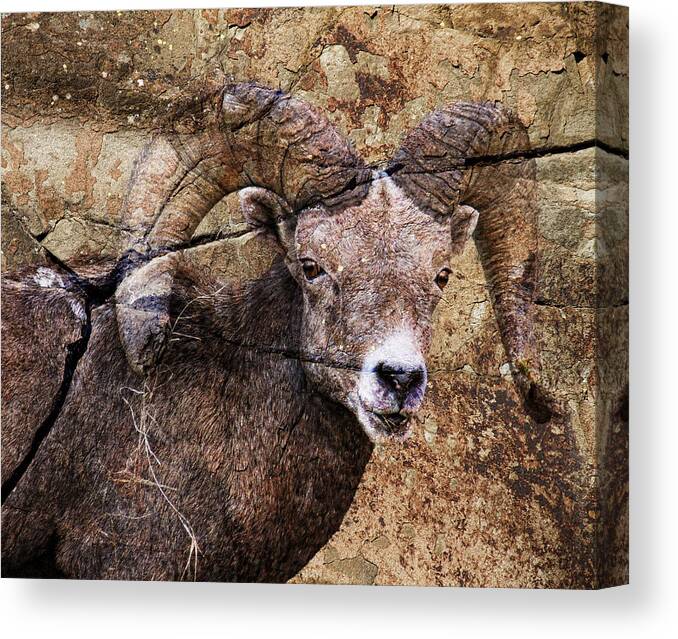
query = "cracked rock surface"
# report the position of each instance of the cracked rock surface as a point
(481, 495)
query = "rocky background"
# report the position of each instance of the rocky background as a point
(481, 495)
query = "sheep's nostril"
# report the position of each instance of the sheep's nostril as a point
(399, 378)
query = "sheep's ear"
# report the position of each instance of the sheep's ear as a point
(269, 214)
(464, 220)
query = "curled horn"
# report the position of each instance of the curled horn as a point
(473, 154)
(248, 136)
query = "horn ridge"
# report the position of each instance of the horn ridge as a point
(505, 195)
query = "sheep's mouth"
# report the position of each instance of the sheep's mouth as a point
(392, 426)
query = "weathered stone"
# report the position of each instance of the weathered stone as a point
(336, 65)
(76, 240)
(354, 570)
(224, 220)
(237, 259)
(18, 248)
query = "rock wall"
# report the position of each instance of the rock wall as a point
(481, 495)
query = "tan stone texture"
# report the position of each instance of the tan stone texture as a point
(481, 495)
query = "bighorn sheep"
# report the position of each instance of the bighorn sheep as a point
(219, 432)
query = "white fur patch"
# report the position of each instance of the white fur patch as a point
(47, 278)
(78, 310)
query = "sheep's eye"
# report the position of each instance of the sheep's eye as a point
(443, 278)
(311, 269)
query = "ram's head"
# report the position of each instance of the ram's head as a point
(369, 249)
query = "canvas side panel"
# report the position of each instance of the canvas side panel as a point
(612, 249)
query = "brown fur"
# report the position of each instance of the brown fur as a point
(46, 323)
(259, 479)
